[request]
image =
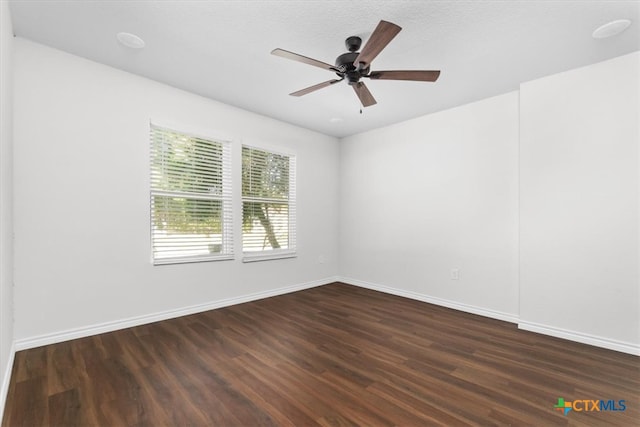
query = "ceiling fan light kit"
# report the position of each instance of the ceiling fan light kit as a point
(354, 65)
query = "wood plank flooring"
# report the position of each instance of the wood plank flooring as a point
(335, 355)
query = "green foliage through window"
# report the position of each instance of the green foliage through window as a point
(266, 200)
(190, 196)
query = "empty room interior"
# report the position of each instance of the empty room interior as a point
(319, 213)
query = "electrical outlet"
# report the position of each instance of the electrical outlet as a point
(455, 274)
(321, 259)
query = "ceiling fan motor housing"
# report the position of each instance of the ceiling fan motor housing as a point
(349, 71)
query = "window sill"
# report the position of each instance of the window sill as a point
(185, 260)
(250, 257)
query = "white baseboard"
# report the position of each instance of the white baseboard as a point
(31, 342)
(580, 337)
(70, 334)
(6, 379)
(493, 314)
(593, 340)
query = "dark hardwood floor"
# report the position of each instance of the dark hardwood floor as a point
(335, 355)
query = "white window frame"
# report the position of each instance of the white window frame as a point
(291, 250)
(227, 252)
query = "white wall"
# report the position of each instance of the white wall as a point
(557, 253)
(431, 194)
(6, 200)
(415, 200)
(82, 254)
(579, 215)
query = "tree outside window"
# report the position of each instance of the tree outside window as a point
(190, 197)
(267, 200)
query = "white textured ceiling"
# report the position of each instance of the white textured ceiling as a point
(221, 49)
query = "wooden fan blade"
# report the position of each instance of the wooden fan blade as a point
(363, 93)
(382, 35)
(300, 58)
(314, 87)
(413, 75)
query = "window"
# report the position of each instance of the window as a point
(268, 205)
(191, 218)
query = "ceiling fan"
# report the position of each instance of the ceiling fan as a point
(355, 65)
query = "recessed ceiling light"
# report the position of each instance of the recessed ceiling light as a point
(130, 40)
(611, 29)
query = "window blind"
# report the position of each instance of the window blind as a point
(268, 202)
(191, 208)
